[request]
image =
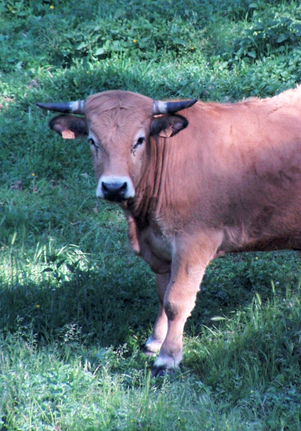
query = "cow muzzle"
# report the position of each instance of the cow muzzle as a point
(115, 189)
(114, 192)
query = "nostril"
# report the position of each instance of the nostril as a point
(123, 187)
(104, 187)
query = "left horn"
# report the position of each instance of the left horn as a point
(171, 107)
(77, 107)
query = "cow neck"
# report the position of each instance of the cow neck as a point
(144, 206)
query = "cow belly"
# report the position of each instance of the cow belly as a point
(278, 243)
(238, 240)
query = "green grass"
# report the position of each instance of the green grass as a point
(75, 304)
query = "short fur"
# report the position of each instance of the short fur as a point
(228, 182)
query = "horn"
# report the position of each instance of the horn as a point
(77, 107)
(171, 107)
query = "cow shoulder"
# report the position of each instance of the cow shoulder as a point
(69, 126)
(167, 126)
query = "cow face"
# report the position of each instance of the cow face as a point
(119, 126)
(118, 136)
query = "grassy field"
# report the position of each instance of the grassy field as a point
(75, 304)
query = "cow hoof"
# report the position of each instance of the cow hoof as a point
(163, 371)
(147, 351)
(152, 346)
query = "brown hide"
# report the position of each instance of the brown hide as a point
(244, 162)
(228, 181)
(237, 168)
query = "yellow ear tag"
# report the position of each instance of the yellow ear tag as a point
(68, 134)
(166, 133)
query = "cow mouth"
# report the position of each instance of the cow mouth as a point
(114, 198)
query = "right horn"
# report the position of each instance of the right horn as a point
(160, 107)
(77, 107)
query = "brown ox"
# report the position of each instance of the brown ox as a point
(208, 180)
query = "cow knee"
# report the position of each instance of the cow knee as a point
(181, 307)
(171, 309)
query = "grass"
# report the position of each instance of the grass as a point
(75, 304)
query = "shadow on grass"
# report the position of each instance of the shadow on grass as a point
(109, 305)
(103, 309)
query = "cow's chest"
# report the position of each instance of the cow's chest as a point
(156, 249)
(152, 244)
(158, 243)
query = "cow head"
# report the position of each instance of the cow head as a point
(119, 125)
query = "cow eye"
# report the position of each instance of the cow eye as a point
(93, 143)
(140, 141)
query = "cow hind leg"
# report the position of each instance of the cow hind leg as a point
(155, 341)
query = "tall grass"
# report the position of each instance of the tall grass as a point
(75, 304)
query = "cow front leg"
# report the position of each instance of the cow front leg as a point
(179, 300)
(155, 341)
(178, 304)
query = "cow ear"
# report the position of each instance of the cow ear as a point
(167, 126)
(69, 126)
